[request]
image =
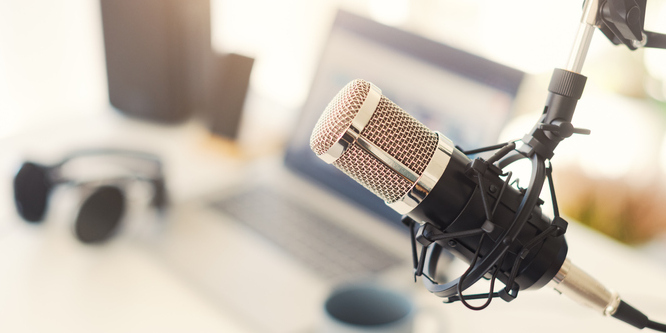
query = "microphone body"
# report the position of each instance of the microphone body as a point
(455, 205)
(419, 173)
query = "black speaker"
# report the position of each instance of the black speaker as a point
(157, 55)
(229, 80)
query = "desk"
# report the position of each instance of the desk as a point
(50, 282)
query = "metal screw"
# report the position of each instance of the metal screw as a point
(639, 43)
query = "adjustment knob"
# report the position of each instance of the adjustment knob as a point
(563, 129)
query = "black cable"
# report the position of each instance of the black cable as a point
(462, 278)
(656, 326)
(633, 317)
(464, 275)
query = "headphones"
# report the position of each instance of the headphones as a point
(101, 211)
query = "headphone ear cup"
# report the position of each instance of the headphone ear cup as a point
(100, 215)
(32, 186)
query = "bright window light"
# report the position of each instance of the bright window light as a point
(390, 12)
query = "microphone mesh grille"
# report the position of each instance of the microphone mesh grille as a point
(373, 174)
(401, 136)
(390, 129)
(338, 116)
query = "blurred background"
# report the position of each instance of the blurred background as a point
(53, 73)
(52, 67)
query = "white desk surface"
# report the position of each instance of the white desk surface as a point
(50, 282)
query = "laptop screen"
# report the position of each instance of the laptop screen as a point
(465, 97)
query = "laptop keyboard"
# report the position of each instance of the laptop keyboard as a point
(324, 247)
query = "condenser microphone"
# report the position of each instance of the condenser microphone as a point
(419, 173)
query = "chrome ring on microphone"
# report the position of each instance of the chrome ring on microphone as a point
(426, 182)
(352, 133)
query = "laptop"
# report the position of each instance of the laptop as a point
(269, 248)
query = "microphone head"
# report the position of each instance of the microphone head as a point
(373, 141)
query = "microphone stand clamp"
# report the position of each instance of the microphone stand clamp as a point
(622, 22)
